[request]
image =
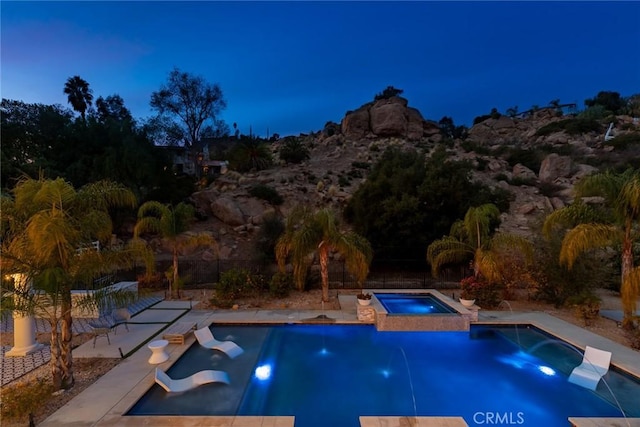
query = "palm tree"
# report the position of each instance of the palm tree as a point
(307, 233)
(43, 225)
(172, 223)
(615, 223)
(79, 95)
(471, 240)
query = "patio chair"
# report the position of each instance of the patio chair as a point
(206, 339)
(595, 363)
(199, 378)
(110, 322)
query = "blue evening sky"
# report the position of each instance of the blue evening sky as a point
(290, 67)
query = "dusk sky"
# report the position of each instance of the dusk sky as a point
(290, 67)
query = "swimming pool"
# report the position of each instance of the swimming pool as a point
(413, 304)
(328, 375)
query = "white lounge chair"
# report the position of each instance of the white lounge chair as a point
(206, 339)
(193, 381)
(595, 363)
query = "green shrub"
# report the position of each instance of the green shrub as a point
(21, 400)
(586, 306)
(343, 181)
(575, 126)
(482, 163)
(549, 189)
(501, 177)
(361, 165)
(250, 154)
(267, 193)
(269, 233)
(477, 148)
(355, 173)
(237, 283)
(293, 151)
(623, 142)
(532, 159)
(519, 181)
(389, 92)
(281, 284)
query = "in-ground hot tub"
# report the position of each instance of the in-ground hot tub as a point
(419, 311)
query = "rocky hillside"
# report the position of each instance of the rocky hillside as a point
(554, 157)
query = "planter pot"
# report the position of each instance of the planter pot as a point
(467, 302)
(364, 301)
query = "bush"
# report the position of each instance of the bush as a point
(281, 284)
(361, 165)
(530, 158)
(293, 151)
(623, 142)
(549, 189)
(267, 193)
(477, 148)
(237, 283)
(270, 231)
(575, 126)
(389, 92)
(24, 399)
(586, 307)
(250, 154)
(519, 181)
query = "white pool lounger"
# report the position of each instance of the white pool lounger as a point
(193, 381)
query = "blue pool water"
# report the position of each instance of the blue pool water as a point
(328, 375)
(413, 304)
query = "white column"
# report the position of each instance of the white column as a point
(24, 327)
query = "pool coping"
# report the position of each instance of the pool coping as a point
(132, 377)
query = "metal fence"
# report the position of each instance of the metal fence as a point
(383, 274)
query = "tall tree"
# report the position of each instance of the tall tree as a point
(189, 100)
(307, 233)
(614, 225)
(43, 226)
(112, 108)
(473, 239)
(79, 95)
(172, 224)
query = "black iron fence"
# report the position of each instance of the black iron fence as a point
(384, 274)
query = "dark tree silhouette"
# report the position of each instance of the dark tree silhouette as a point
(78, 94)
(190, 102)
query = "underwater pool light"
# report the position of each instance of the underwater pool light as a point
(263, 372)
(547, 370)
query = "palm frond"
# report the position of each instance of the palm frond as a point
(510, 242)
(629, 198)
(584, 237)
(630, 291)
(569, 217)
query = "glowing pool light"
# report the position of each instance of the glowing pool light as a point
(263, 372)
(547, 370)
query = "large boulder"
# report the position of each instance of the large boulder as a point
(415, 124)
(523, 172)
(388, 117)
(553, 167)
(227, 211)
(355, 124)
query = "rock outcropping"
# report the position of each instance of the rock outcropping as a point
(390, 117)
(340, 157)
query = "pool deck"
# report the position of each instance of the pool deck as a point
(106, 401)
